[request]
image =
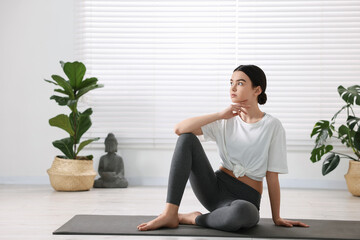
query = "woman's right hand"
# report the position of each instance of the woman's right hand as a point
(237, 108)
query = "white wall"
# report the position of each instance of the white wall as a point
(35, 35)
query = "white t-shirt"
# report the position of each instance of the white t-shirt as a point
(249, 149)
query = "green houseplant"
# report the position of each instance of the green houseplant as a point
(348, 134)
(67, 172)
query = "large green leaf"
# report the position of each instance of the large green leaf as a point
(357, 140)
(84, 143)
(65, 145)
(87, 82)
(318, 152)
(323, 129)
(330, 163)
(65, 85)
(49, 81)
(75, 71)
(61, 91)
(63, 101)
(87, 89)
(352, 121)
(87, 112)
(82, 123)
(343, 130)
(62, 121)
(351, 94)
(346, 135)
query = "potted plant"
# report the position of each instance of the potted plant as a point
(348, 133)
(72, 172)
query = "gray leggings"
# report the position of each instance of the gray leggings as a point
(232, 204)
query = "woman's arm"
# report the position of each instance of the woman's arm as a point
(272, 181)
(194, 123)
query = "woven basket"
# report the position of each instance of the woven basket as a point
(71, 175)
(353, 178)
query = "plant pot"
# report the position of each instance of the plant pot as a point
(353, 178)
(71, 175)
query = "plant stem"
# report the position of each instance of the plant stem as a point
(355, 150)
(349, 135)
(75, 127)
(352, 110)
(354, 115)
(336, 137)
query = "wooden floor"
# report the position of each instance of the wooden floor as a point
(35, 211)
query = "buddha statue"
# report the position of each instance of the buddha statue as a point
(111, 167)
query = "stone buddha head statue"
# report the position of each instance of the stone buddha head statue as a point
(111, 143)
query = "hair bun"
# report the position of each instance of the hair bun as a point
(262, 98)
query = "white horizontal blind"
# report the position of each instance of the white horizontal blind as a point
(164, 61)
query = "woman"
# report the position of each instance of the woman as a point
(252, 146)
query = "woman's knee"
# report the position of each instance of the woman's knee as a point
(187, 137)
(245, 214)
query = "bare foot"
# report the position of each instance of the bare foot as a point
(168, 220)
(188, 218)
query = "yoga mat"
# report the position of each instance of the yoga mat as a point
(126, 225)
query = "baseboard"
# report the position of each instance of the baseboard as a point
(312, 184)
(21, 180)
(161, 181)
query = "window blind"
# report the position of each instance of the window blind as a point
(164, 61)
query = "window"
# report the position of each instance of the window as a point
(165, 61)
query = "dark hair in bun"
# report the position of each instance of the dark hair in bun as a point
(257, 77)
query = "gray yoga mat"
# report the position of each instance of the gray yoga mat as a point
(126, 225)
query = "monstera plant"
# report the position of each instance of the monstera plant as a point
(72, 172)
(348, 133)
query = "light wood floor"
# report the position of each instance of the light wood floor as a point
(35, 211)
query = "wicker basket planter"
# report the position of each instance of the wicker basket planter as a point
(353, 178)
(71, 175)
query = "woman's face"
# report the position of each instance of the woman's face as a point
(241, 87)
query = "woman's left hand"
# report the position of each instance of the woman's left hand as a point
(289, 223)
